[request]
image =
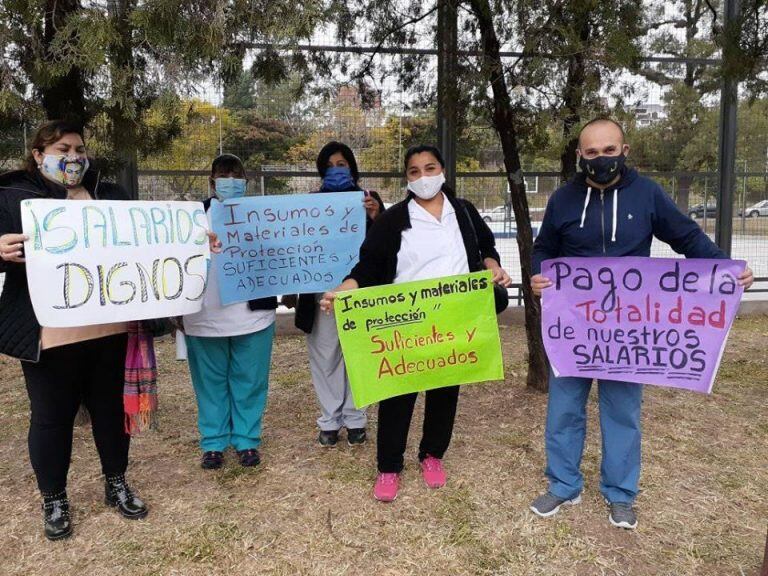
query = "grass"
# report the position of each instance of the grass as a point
(305, 511)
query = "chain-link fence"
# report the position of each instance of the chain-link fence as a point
(669, 105)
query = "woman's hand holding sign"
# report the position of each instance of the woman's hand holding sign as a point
(213, 242)
(326, 302)
(11, 247)
(500, 275)
(371, 206)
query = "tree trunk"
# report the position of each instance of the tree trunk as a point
(574, 100)
(63, 97)
(683, 193)
(504, 122)
(124, 122)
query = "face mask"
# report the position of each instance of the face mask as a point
(338, 179)
(227, 188)
(602, 169)
(65, 170)
(427, 187)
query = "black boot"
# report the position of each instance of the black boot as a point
(119, 494)
(56, 516)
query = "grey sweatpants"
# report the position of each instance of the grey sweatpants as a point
(329, 375)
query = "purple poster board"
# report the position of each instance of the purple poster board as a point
(660, 321)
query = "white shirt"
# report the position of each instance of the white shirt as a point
(217, 320)
(431, 248)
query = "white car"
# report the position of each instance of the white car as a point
(497, 214)
(756, 210)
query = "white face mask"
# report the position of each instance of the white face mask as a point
(427, 187)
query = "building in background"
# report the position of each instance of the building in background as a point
(647, 113)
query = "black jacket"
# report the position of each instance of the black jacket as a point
(19, 329)
(306, 306)
(269, 303)
(378, 254)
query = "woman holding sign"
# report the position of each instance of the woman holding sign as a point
(229, 349)
(337, 167)
(63, 366)
(430, 234)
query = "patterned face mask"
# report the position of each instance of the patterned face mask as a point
(65, 170)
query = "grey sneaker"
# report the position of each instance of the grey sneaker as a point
(548, 504)
(622, 515)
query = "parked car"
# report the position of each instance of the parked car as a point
(697, 211)
(497, 214)
(756, 210)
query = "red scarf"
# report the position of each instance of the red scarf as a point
(140, 390)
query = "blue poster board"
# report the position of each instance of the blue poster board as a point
(292, 244)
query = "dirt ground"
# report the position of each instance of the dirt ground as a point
(703, 508)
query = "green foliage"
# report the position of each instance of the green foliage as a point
(259, 140)
(195, 147)
(117, 64)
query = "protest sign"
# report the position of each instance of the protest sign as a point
(293, 244)
(90, 262)
(660, 321)
(403, 338)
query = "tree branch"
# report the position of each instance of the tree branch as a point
(677, 22)
(656, 76)
(366, 70)
(713, 11)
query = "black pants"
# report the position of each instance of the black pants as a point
(395, 420)
(92, 372)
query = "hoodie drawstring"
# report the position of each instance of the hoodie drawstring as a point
(615, 218)
(586, 203)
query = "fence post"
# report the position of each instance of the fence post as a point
(447, 92)
(727, 141)
(128, 177)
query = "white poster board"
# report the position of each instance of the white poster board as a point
(97, 261)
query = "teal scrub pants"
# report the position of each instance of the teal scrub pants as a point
(230, 376)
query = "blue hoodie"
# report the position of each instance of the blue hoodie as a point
(618, 221)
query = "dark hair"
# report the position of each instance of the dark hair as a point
(225, 163)
(603, 120)
(420, 149)
(47, 134)
(435, 151)
(332, 148)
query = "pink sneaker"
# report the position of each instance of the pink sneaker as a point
(385, 489)
(432, 472)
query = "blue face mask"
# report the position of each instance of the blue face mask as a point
(338, 179)
(227, 188)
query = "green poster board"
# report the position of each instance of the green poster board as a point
(403, 338)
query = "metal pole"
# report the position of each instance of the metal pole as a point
(706, 202)
(400, 138)
(218, 113)
(128, 177)
(727, 145)
(744, 200)
(447, 92)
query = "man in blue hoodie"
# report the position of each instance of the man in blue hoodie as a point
(606, 210)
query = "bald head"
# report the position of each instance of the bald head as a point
(602, 137)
